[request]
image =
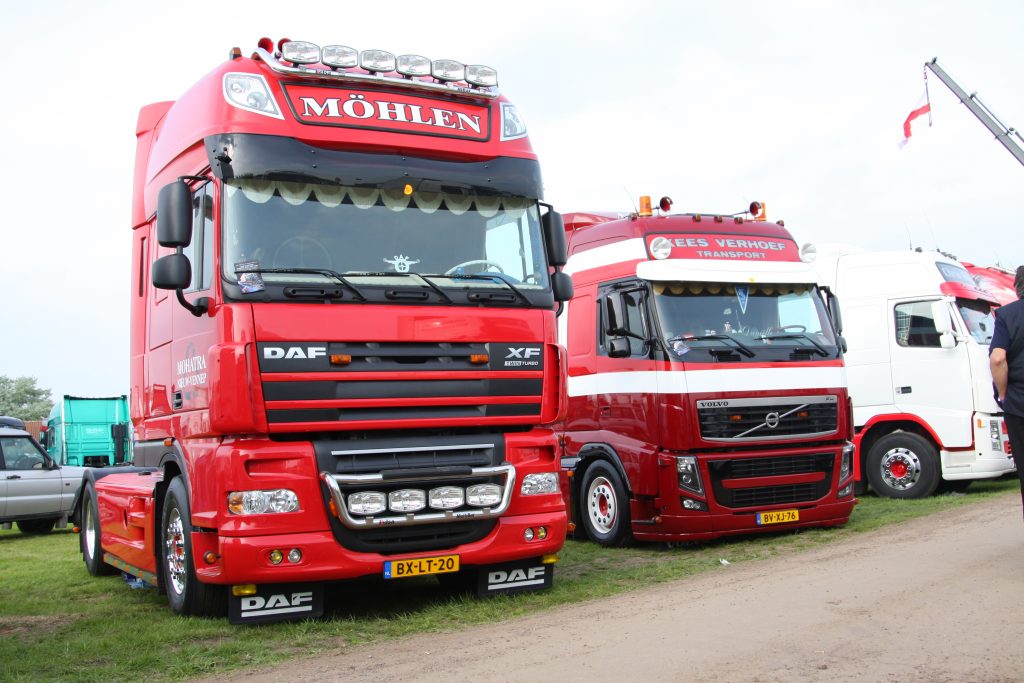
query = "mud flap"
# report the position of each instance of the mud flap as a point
(514, 577)
(277, 602)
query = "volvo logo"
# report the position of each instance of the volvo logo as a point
(771, 420)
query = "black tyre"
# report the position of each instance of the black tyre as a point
(604, 506)
(37, 526)
(185, 594)
(89, 535)
(903, 465)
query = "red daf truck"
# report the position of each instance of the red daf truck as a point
(707, 394)
(343, 342)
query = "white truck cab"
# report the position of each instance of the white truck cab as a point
(918, 331)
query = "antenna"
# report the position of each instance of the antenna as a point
(910, 240)
(625, 189)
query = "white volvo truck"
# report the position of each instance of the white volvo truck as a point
(918, 331)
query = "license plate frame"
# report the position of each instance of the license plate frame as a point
(421, 566)
(770, 517)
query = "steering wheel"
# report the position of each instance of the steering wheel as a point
(302, 252)
(476, 262)
(797, 328)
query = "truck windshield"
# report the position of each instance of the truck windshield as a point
(306, 232)
(978, 317)
(715, 321)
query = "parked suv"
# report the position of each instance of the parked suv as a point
(34, 491)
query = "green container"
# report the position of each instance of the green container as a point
(90, 432)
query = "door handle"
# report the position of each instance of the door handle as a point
(904, 390)
(606, 410)
(14, 476)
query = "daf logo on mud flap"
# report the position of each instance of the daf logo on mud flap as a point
(294, 352)
(278, 603)
(515, 578)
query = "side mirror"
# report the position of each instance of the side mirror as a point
(832, 301)
(561, 286)
(614, 316)
(174, 215)
(554, 238)
(172, 272)
(943, 324)
(618, 347)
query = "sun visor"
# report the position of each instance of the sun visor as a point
(695, 270)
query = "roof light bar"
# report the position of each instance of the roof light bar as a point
(340, 56)
(448, 70)
(377, 61)
(300, 52)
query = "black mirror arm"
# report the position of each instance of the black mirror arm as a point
(200, 307)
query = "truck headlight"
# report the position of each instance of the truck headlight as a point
(407, 500)
(689, 474)
(993, 435)
(483, 495)
(536, 484)
(846, 464)
(262, 502)
(250, 92)
(367, 503)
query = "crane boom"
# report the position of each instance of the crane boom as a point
(1009, 137)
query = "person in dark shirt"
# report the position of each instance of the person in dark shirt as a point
(1006, 357)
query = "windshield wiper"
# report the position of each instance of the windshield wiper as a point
(493, 277)
(818, 348)
(423, 280)
(741, 347)
(337, 277)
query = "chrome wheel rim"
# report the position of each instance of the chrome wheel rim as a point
(602, 508)
(901, 468)
(174, 551)
(90, 531)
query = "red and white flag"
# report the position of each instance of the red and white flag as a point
(923, 106)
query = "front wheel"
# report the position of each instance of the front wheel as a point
(185, 593)
(604, 507)
(903, 465)
(89, 535)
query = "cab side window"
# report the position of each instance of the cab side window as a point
(200, 250)
(915, 325)
(634, 328)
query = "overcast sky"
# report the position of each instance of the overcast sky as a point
(797, 104)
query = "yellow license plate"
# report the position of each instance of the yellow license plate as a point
(399, 569)
(778, 516)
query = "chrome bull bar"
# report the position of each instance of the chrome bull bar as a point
(335, 481)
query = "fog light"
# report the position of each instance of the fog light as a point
(446, 497)
(367, 503)
(542, 533)
(243, 589)
(407, 500)
(845, 491)
(691, 504)
(276, 556)
(528, 534)
(483, 495)
(294, 555)
(209, 557)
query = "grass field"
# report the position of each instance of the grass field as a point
(58, 623)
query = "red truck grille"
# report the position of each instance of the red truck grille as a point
(374, 385)
(767, 419)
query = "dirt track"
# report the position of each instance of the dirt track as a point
(935, 599)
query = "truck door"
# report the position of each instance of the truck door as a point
(929, 381)
(33, 487)
(193, 336)
(627, 412)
